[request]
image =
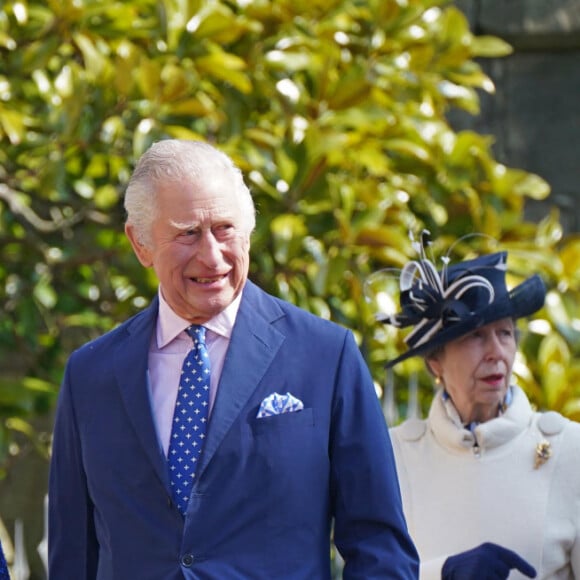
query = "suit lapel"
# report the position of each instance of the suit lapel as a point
(131, 364)
(253, 346)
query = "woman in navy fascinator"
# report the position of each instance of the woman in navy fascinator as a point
(491, 487)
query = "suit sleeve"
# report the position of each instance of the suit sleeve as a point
(370, 531)
(72, 545)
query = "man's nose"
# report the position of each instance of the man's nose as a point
(209, 251)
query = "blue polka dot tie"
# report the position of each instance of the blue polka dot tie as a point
(189, 419)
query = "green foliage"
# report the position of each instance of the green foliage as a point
(335, 110)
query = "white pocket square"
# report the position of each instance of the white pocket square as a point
(275, 404)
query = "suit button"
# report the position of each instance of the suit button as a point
(187, 560)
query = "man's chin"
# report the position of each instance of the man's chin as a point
(202, 308)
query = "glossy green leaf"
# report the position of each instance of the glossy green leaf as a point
(553, 351)
(226, 67)
(490, 47)
(287, 233)
(12, 125)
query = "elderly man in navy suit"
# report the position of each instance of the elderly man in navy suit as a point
(242, 461)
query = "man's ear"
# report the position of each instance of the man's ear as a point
(144, 254)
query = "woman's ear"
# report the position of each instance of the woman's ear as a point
(144, 254)
(434, 366)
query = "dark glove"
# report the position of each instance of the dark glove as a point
(486, 562)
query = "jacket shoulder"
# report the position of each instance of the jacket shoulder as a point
(552, 423)
(141, 322)
(281, 312)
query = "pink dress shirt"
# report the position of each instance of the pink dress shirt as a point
(167, 351)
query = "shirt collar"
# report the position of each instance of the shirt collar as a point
(170, 325)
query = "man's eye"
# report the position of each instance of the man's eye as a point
(223, 231)
(188, 235)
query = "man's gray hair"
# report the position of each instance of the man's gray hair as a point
(173, 160)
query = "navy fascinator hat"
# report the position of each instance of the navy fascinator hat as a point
(447, 304)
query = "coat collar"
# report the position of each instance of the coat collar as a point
(448, 430)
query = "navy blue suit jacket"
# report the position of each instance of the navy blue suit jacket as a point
(268, 490)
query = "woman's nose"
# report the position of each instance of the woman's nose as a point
(494, 347)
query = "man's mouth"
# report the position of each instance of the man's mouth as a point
(208, 280)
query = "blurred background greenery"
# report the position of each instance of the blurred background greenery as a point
(337, 112)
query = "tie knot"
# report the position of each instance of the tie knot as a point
(197, 333)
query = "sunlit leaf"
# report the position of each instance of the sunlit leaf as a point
(7, 41)
(45, 294)
(407, 147)
(553, 351)
(532, 186)
(288, 61)
(39, 385)
(12, 125)
(490, 47)
(20, 425)
(95, 62)
(226, 67)
(287, 233)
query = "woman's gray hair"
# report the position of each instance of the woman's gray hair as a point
(173, 160)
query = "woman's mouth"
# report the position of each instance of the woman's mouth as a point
(493, 379)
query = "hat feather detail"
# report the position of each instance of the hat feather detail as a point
(444, 305)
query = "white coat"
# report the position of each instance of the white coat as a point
(461, 488)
